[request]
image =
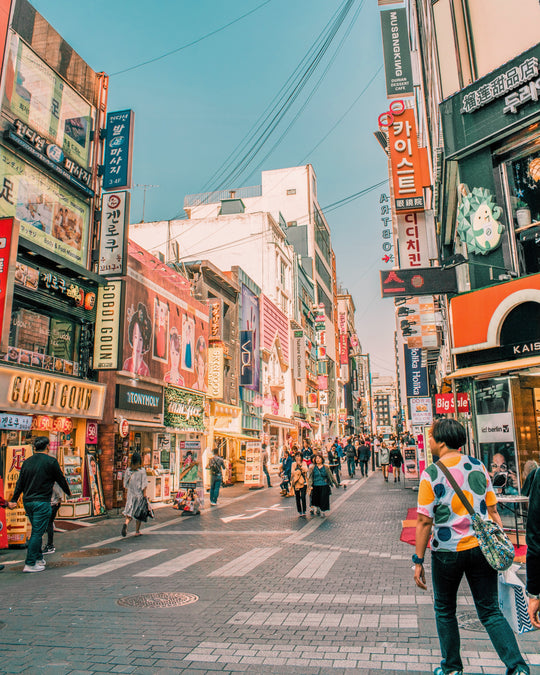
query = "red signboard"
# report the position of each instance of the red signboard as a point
(9, 230)
(343, 349)
(445, 405)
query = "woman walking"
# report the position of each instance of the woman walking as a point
(319, 480)
(384, 458)
(455, 550)
(397, 461)
(135, 482)
(299, 472)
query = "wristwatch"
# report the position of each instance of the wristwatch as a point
(416, 560)
(532, 596)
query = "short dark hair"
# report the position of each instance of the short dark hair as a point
(136, 459)
(449, 431)
(41, 443)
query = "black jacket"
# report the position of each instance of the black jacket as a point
(38, 475)
(364, 453)
(396, 458)
(531, 489)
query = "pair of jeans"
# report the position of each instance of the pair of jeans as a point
(215, 484)
(265, 469)
(447, 570)
(335, 471)
(364, 466)
(351, 466)
(301, 500)
(39, 514)
(50, 525)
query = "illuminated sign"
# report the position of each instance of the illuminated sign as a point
(428, 280)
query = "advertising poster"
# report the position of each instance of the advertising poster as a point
(37, 96)
(421, 411)
(190, 476)
(16, 521)
(49, 215)
(94, 484)
(165, 333)
(415, 374)
(410, 468)
(250, 321)
(183, 409)
(253, 470)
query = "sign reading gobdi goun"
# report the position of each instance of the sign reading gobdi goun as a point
(23, 390)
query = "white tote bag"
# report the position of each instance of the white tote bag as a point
(513, 601)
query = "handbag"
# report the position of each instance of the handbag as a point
(143, 510)
(497, 548)
(513, 601)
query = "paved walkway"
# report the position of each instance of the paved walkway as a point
(274, 594)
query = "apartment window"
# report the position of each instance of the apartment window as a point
(322, 297)
(283, 274)
(291, 191)
(322, 236)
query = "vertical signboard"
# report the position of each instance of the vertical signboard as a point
(9, 237)
(108, 326)
(397, 56)
(412, 240)
(253, 468)
(246, 358)
(118, 150)
(216, 320)
(216, 362)
(113, 233)
(415, 374)
(250, 321)
(16, 521)
(299, 355)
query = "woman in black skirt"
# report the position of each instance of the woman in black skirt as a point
(319, 480)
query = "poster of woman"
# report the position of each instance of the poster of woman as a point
(161, 330)
(139, 335)
(175, 346)
(201, 357)
(94, 485)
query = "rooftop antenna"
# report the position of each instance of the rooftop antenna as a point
(145, 187)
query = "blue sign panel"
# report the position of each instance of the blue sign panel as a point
(415, 374)
(118, 150)
(246, 358)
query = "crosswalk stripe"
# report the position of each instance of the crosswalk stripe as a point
(315, 565)
(168, 568)
(239, 567)
(111, 565)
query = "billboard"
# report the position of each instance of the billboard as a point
(397, 56)
(118, 150)
(9, 231)
(250, 321)
(37, 96)
(415, 373)
(428, 280)
(165, 330)
(412, 240)
(407, 160)
(49, 215)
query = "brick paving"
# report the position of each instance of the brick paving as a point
(277, 594)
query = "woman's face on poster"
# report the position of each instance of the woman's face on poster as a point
(138, 342)
(175, 355)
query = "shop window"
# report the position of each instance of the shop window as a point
(524, 185)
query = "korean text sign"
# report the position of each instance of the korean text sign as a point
(118, 150)
(406, 161)
(8, 252)
(113, 233)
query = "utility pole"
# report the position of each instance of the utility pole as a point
(145, 187)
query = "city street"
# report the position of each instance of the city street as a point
(267, 592)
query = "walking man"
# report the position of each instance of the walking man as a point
(215, 466)
(531, 489)
(350, 454)
(364, 453)
(38, 475)
(264, 459)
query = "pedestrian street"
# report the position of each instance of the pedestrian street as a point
(274, 594)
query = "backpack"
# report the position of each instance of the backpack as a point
(214, 467)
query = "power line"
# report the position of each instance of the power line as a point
(191, 44)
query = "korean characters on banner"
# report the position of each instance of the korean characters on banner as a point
(386, 222)
(165, 329)
(113, 233)
(118, 150)
(408, 162)
(412, 240)
(9, 237)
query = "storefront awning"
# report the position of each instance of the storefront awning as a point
(232, 434)
(303, 424)
(277, 421)
(493, 368)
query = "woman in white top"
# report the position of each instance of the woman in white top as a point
(135, 482)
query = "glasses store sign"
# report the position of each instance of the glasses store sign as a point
(519, 85)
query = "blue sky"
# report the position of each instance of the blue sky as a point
(193, 108)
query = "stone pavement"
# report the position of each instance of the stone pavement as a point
(273, 594)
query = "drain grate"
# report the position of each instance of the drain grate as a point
(158, 600)
(470, 621)
(90, 552)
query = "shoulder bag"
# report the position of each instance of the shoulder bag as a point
(497, 548)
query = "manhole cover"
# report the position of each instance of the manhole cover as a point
(158, 600)
(50, 565)
(90, 552)
(470, 621)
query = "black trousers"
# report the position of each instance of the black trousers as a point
(50, 526)
(301, 499)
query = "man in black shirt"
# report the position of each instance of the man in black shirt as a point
(38, 475)
(531, 489)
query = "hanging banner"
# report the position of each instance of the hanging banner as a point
(109, 313)
(415, 374)
(216, 320)
(246, 358)
(113, 233)
(397, 55)
(412, 240)
(299, 355)
(250, 321)
(16, 521)
(216, 362)
(9, 239)
(118, 150)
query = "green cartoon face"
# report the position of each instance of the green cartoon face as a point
(478, 224)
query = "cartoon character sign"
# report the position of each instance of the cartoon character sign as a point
(161, 330)
(139, 337)
(478, 224)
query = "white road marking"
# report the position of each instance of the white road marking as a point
(257, 512)
(315, 565)
(239, 567)
(117, 563)
(170, 567)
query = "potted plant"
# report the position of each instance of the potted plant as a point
(523, 214)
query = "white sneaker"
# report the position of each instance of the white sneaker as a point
(41, 562)
(34, 568)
